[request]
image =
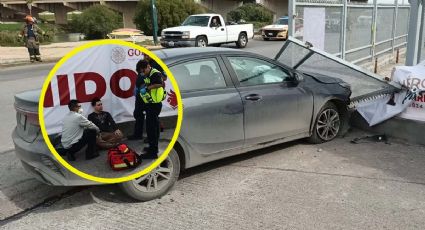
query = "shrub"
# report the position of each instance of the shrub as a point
(96, 22)
(250, 12)
(170, 13)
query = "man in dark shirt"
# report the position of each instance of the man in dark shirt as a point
(110, 135)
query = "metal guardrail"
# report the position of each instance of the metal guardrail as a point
(351, 14)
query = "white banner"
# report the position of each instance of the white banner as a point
(107, 72)
(413, 77)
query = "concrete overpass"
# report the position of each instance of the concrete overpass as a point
(126, 7)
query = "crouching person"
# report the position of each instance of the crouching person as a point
(78, 132)
(110, 136)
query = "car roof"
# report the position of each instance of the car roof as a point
(175, 54)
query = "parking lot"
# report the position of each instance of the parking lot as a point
(336, 185)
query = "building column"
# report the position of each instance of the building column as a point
(127, 9)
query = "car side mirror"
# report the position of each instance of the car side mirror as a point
(298, 77)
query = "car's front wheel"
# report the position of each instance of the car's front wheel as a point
(327, 125)
(201, 41)
(157, 183)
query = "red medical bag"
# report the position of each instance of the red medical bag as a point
(122, 157)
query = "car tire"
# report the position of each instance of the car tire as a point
(327, 125)
(266, 39)
(242, 40)
(166, 176)
(201, 41)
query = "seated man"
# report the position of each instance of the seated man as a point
(78, 132)
(110, 135)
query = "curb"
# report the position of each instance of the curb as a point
(21, 62)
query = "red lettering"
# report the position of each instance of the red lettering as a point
(115, 83)
(63, 88)
(48, 97)
(420, 98)
(80, 86)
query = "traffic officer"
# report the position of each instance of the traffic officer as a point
(152, 93)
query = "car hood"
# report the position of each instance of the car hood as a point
(275, 27)
(322, 78)
(184, 28)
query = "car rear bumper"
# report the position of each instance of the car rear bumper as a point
(178, 43)
(40, 163)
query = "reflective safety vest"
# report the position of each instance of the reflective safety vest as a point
(154, 95)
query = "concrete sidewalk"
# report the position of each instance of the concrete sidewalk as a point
(11, 56)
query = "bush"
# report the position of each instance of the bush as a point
(251, 12)
(96, 22)
(11, 37)
(170, 13)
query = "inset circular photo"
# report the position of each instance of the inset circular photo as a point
(111, 112)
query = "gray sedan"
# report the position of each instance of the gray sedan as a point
(234, 102)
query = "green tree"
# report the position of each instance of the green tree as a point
(170, 13)
(96, 22)
(251, 12)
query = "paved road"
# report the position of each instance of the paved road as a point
(335, 185)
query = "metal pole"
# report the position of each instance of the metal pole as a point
(374, 16)
(343, 36)
(291, 15)
(394, 25)
(421, 35)
(413, 35)
(154, 22)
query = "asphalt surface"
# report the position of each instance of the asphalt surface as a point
(336, 185)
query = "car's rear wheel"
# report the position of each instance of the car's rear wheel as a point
(201, 41)
(327, 125)
(157, 183)
(242, 40)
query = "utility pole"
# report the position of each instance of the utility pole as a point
(154, 22)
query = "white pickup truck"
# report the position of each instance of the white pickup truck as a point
(206, 29)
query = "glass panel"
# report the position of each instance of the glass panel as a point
(402, 21)
(359, 24)
(384, 24)
(358, 55)
(251, 71)
(199, 75)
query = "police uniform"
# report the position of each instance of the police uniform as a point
(139, 109)
(153, 103)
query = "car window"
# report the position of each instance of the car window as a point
(253, 71)
(199, 75)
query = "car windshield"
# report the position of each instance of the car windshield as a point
(281, 21)
(196, 21)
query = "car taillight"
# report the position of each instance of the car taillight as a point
(29, 117)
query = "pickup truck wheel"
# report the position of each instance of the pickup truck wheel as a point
(201, 41)
(242, 40)
(327, 125)
(157, 183)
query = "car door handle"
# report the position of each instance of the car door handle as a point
(253, 97)
(222, 29)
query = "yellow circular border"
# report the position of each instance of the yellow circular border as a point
(84, 175)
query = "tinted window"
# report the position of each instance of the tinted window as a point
(252, 71)
(198, 75)
(196, 21)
